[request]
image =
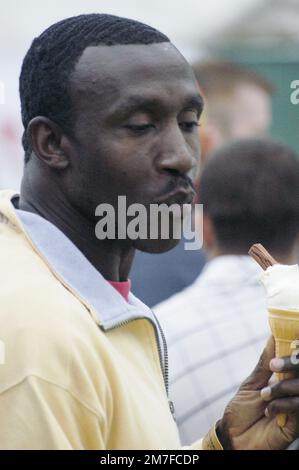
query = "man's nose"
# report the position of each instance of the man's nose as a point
(176, 156)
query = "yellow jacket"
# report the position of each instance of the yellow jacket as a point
(81, 368)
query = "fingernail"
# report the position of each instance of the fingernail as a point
(266, 393)
(276, 364)
(267, 413)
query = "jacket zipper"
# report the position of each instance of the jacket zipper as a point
(166, 364)
(163, 361)
(165, 369)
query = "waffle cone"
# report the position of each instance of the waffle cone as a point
(284, 325)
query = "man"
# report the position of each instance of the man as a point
(109, 108)
(250, 192)
(237, 105)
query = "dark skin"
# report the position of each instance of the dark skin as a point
(135, 134)
(249, 420)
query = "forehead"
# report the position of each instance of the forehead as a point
(112, 73)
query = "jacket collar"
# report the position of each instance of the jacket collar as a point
(66, 261)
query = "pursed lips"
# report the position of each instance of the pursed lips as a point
(179, 195)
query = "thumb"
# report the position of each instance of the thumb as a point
(261, 374)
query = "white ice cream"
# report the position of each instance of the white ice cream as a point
(282, 286)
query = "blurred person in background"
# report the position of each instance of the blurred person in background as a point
(237, 104)
(250, 193)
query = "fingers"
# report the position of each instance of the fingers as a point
(282, 389)
(284, 406)
(283, 397)
(285, 364)
(262, 373)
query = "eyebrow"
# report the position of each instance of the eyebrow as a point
(141, 103)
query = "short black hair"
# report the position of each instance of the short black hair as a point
(250, 190)
(52, 56)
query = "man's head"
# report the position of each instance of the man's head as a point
(109, 107)
(250, 194)
(238, 103)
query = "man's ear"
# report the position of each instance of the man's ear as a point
(209, 238)
(48, 142)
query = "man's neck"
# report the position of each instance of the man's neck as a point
(112, 258)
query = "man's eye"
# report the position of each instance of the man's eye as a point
(140, 128)
(188, 126)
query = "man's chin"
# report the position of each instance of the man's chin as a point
(156, 246)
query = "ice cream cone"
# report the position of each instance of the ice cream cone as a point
(285, 329)
(281, 283)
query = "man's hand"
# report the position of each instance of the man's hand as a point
(249, 420)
